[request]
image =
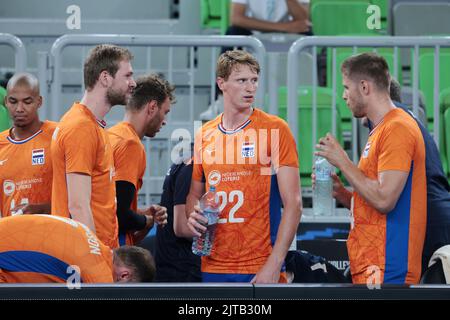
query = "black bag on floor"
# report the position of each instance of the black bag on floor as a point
(308, 268)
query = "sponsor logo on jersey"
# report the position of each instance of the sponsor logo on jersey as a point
(8, 187)
(214, 178)
(248, 150)
(37, 157)
(366, 150)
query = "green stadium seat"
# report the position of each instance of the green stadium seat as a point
(331, 18)
(4, 114)
(426, 76)
(215, 14)
(447, 139)
(383, 4)
(444, 145)
(324, 124)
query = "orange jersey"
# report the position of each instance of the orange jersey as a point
(25, 169)
(240, 164)
(81, 145)
(45, 248)
(129, 161)
(391, 243)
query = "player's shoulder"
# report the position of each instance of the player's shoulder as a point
(400, 120)
(129, 145)
(115, 129)
(78, 127)
(121, 134)
(212, 124)
(267, 120)
(78, 116)
(49, 126)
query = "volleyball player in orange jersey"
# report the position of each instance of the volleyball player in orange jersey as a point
(144, 116)
(25, 159)
(251, 158)
(388, 200)
(83, 166)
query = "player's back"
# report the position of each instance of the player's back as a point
(46, 248)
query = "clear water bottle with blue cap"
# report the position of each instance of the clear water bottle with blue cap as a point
(209, 203)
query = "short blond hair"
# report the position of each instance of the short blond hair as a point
(229, 60)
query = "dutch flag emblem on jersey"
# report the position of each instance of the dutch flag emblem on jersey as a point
(248, 150)
(37, 157)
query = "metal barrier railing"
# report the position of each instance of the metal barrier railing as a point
(53, 71)
(19, 50)
(151, 41)
(304, 44)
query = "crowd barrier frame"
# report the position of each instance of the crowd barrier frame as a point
(19, 50)
(396, 42)
(150, 41)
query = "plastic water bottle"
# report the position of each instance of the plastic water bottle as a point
(209, 203)
(323, 197)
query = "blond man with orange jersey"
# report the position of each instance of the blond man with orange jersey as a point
(83, 166)
(251, 158)
(25, 159)
(145, 115)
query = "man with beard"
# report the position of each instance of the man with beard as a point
(25, 162)
(144, 116)
(389, 195)
(83, 166)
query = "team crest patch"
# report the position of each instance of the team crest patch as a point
(248, 150)
(214, 178)
(37, 157)
(8, 187)
(366, 150)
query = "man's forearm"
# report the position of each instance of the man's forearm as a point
(260, 25)
(191, 201)
(79, 199)
(286, 233)
(83, 214)
(368, 189)
(297, 10)
(344, 196)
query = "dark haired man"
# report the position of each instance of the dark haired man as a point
(144, 116)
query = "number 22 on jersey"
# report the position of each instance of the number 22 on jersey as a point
(236, 197)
